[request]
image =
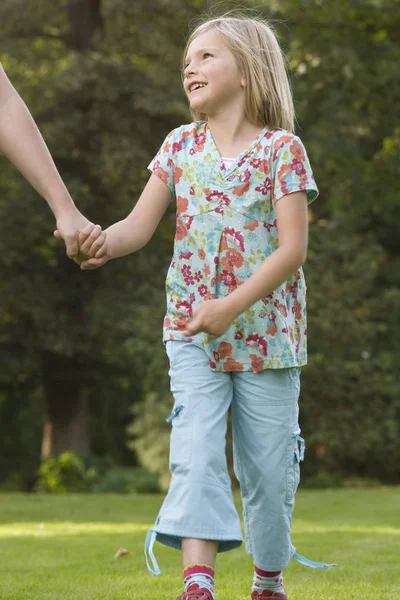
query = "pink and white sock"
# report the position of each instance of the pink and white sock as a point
(267, 580)
(196, 577)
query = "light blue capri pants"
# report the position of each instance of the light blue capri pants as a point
(267, 451)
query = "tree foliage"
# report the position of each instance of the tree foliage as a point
(104, 109)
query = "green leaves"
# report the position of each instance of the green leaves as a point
(104, 115)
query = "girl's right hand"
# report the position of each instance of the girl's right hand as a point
(99, 260)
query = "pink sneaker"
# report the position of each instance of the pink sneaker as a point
(268, 595)
(201, 594)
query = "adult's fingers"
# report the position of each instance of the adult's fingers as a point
(84, 233)
(102, 252)
(90, 239)
(97, 244)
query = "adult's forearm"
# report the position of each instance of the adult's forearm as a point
(22, 143)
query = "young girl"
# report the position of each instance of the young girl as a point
(235, 328)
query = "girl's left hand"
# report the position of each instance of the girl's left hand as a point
(212, 317)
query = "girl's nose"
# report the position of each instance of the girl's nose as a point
(190, 69)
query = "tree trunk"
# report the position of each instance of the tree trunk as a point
(65, 421)
(85, 21)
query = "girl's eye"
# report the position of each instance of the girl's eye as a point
(205, 55)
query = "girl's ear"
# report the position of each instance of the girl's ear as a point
(243, 82)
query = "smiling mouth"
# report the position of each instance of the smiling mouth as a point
(196, 86)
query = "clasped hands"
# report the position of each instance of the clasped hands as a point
(86, 246)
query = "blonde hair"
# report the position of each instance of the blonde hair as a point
(260, 60)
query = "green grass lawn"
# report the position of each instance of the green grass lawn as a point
(62, 548)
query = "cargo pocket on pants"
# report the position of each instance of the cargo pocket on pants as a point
(181, 437)
(295, 454)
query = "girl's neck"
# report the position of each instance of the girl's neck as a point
(233, 134)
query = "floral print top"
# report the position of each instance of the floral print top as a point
(225, 228)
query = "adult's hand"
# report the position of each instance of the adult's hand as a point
(93, 245)
(68, 227)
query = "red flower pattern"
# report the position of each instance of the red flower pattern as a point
(235, 236)
(228, 278)
(265, 187)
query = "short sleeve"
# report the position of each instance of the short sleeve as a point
(162, 164)
(291, 168)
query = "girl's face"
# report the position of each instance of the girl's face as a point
(212, 80)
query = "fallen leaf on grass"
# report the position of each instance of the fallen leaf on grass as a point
(122, 552)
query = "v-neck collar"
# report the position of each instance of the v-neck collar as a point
(217, 155)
